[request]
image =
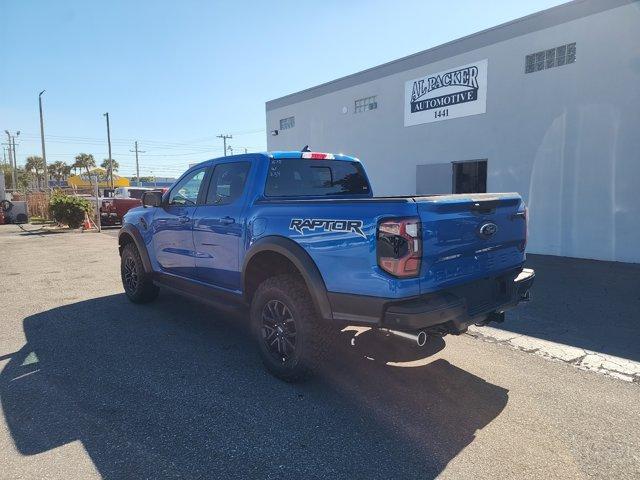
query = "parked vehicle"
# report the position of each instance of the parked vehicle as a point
(113, 209)
(299, 238)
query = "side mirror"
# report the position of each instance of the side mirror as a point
(151, 199)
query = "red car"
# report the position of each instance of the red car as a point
(124, 199)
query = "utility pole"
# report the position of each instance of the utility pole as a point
(12, 150)
(137, 164)
(245, 150)
(110, 159)
(96, 192)
(44, 155)
(224, 139)
(15, 159)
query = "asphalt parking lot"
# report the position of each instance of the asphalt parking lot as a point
(93, 386)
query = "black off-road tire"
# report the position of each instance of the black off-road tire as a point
(312, 333)
(137, 283)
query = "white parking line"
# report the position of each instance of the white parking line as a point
(616, 367)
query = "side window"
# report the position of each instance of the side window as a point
(185, 193)
(227, 182)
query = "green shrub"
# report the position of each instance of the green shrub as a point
(68, 210)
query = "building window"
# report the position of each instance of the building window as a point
(364, 104)
(554, 57)
(470, 177)
(286, 123)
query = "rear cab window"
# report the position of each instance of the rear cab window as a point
(299, 177)
(136, 193)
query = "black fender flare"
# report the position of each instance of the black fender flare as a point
(302, 261)
(129, 230)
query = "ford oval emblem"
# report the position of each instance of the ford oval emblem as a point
(488, 229)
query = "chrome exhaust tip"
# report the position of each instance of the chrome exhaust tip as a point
(420, 339)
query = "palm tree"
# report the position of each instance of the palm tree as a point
(59, 170)
(35, 164)
(105, 165)
(84, 160)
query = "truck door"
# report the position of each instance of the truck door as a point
(173, 226)
(218, 225)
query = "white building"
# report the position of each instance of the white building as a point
(547, 105)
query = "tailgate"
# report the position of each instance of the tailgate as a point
(469, 237)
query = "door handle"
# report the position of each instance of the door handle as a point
(227, 220)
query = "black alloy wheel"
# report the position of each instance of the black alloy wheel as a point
(279, 330)
(130, 273)
(137, 283)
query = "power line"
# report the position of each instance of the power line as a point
(195, 149)
(159, 142)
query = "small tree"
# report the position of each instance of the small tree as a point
(84, 161)
(59, 170)
(106, 166)
(8, 177)
(35, 165)
(23, 179)
(68, 210)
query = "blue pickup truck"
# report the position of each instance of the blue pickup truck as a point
(299, 238)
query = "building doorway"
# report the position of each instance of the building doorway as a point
(469, 177)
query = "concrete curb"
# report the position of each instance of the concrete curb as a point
(616, 367)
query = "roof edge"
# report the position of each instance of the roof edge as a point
(534, 22)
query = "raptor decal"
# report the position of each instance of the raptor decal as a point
(312, 224)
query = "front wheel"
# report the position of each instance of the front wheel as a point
(137, 284)
(291, 338)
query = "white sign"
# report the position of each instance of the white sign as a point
(453, 93)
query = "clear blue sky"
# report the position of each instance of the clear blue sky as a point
(173, 75)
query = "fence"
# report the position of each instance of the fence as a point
(38, 201)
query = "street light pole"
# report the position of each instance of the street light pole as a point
(44, 155)
(110, 159)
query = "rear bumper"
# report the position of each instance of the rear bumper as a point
(448, 311)
(110, 217)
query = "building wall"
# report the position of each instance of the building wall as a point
(566, 138)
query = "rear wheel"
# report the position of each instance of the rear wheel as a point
(293, 341)
(137, 283)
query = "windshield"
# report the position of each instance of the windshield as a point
(294, 177)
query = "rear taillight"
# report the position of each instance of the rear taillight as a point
(399, 247)
(523, 244)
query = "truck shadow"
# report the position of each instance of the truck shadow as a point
(584, 303)
(176, 390)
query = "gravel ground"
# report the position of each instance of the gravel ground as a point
(93, 386)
